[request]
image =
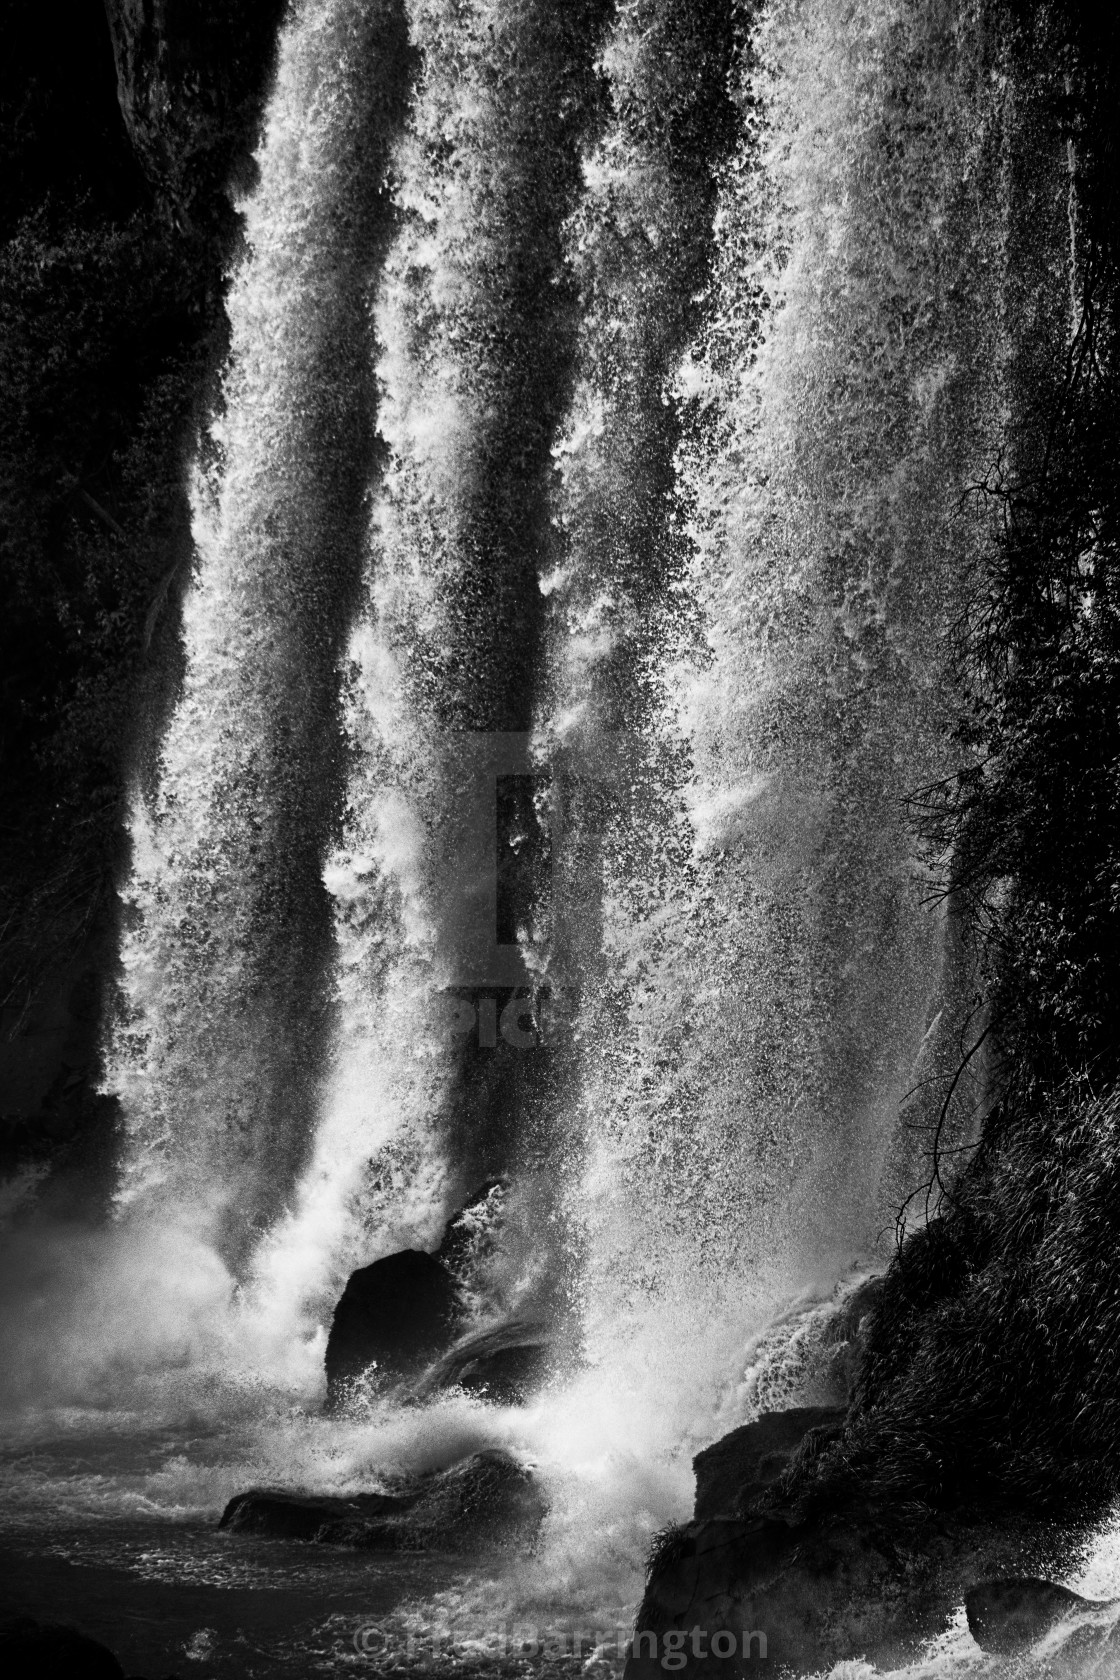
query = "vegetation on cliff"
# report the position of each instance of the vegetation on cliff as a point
(1032, 828)
(991, 1365)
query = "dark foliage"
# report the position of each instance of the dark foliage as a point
(1033, 828)
(668, 1546)
(992, 1363)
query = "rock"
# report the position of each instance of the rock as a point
(395, 1315)
(329, 1520)
(738, 1469)
(190, 83)
(1011, 1615)
(822, 1581)
(504, 1363)
(32, 1650)
(812, 1593)
(486, 1499)
(401, 1314)
(847, 1333)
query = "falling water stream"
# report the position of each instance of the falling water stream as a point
(579, 539)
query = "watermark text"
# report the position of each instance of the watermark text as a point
(672, 1649)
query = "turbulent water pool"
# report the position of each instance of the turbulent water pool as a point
(113, 1526)
(110, 1523)
(171, 1596)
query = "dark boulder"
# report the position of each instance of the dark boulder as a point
(402, 1312)
(41, 1651)
(486, 1499)
(504, 1363)
(738, 1469)
(395, 1316)
(1011, 1615)
(812, 1594)
(870, 1583)
(832, 1576)
(327, 1519)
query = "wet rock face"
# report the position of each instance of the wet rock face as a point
(1009, 1616)
(740, 1468)
(743, 1567)
(395, 1316)
(867, 1583)
(811, 1593)
(280, 1515)
(487, 1499)
(850, 1329)
(191, 78)
(834, 1580)
(400, 1322)
(468, 1237)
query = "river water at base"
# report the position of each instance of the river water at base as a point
(110, 1523)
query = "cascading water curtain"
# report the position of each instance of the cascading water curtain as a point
(227, 951)
(579, 544)
(476, 320)
(768, 622)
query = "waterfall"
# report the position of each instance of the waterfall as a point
(227, 949)
(786, 380)
(580, 538)
(476, 319)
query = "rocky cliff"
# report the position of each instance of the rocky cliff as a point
(190, 80)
